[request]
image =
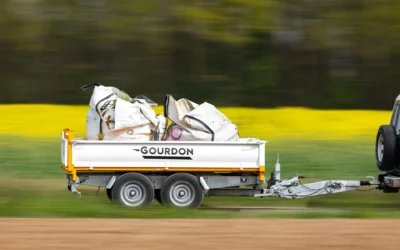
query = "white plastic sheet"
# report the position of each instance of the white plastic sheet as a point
(113, 118)
(133, 114)
(198, 122)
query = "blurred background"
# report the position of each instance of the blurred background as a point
(259, 53)
(328, 56)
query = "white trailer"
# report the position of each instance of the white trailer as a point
(181, 173)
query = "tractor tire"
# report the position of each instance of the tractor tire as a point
(386, 152)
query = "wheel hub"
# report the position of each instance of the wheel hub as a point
(133, 194)
(182, 194)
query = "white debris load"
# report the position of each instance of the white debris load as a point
(194, 122)
(114, 115)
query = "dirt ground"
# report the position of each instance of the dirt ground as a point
(120, 234)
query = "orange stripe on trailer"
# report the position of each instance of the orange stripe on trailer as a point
(260, 170)
(168, 169)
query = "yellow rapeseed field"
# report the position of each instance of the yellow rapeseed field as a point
(47, 121)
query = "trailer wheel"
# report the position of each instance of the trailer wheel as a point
(385, 148)
(182, 190)
(133, 190)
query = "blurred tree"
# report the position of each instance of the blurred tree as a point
(325, 54)
(227, 21)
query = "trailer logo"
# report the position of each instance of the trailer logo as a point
(166, 153)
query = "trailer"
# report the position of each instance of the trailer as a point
(181, 174)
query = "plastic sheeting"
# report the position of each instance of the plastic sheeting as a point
(197, 122)
(113, 115)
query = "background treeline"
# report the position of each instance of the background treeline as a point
(263, 53)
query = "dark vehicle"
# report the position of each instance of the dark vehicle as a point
(387, 151)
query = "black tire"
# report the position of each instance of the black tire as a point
(182, 190)
(133, 190)
(157, 196)
(386, 148)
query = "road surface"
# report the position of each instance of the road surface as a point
(179, 234)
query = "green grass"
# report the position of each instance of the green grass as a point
(34, 185)
(18, 202)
